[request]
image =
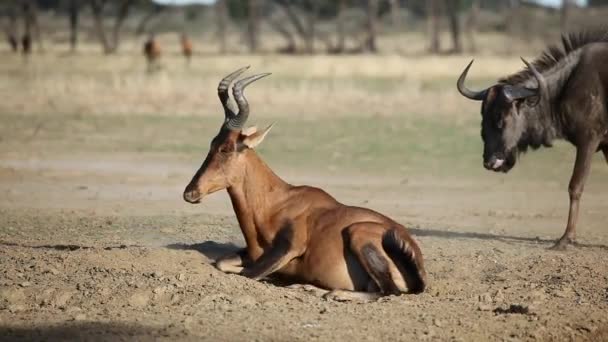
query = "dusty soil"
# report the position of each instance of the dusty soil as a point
(103, 248)
(97, 244)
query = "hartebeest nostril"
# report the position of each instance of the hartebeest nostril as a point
(192, 196)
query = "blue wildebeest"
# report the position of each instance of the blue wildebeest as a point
(563, 94)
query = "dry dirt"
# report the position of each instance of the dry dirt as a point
(104, 249)
(97, 244)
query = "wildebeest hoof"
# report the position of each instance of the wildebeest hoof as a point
(562, 244)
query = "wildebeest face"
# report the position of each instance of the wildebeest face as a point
(502, 126)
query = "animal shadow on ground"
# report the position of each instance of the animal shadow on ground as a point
(215, 250)
(210, 249)
(448, 234)
(83, 331)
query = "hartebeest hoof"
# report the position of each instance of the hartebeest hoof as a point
(316, 291)
(352, 296)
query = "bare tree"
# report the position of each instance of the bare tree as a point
(432, 17)
(221, 12)
(12, 35)
(341, 42)
(452, 7)
(32, 28)
(253, 25)
(471, 24)
(565, 14)
(155, 11)
(394, 12)
(97, 7)
(372, 14)
(74, 10)
(311, 19)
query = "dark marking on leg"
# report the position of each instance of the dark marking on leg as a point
(377, 266)
(408, 259)
(270, 260)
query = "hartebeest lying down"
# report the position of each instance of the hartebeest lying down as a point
(299, 231)
(561, 95)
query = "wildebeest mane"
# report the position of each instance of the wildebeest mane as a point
(555, 53)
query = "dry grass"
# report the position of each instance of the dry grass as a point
(317, 86)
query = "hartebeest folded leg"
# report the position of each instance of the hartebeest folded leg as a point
(582, 165)
(365, 241)
(284, 248)
(232, 263)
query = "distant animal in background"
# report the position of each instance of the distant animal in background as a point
(186, 47)
(26, 44)
(152, 52)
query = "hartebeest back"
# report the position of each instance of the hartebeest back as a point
(300, 231)
(561, 95)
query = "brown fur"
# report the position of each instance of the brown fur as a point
(186, 47)
(300, 231)
(152, 52)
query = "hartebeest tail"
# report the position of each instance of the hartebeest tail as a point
(300, 232)
(407, 257)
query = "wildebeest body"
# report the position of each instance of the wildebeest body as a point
(561, 95)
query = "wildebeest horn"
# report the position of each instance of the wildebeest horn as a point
(237, 122)
(222, 91)
(470, 94)
(543, 89)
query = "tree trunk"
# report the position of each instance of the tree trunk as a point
(471, 24)
(432, 17)
(372, 14)
(311, 19)
(253, 25)
(74, 9)
(452, 7)
(340, 45)
(221, 11)
(12, 35)
(142, 26)
(97, 10)
(32, 29)
(394, 12)
(290, 48)
(565, 14)
(123, 12)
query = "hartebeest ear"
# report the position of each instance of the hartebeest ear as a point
(249, 130)
(254, 139)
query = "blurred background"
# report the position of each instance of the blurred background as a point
(361, 87)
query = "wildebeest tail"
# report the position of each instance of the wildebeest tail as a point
(406, 255)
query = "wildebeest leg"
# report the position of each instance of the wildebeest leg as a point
(281, 252)
(582, 165)
(232, 263)
(605, 150)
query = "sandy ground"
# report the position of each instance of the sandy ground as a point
(96, 242)
(103, 248)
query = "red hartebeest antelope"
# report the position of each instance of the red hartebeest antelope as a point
(186, 47)
(152, 52)
(300, 232)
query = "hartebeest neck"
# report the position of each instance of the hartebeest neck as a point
(254, 199)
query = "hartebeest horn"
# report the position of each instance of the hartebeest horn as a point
(237, 122)
(542, 91)
(468, 93)
(222, 91)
